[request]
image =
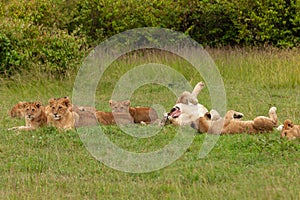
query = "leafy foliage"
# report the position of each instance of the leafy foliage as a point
(54, 35)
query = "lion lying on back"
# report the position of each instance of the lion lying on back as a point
(187, 109)
(231, 123)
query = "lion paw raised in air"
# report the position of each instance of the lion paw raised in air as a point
(198, 87)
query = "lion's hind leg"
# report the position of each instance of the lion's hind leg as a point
(266, 124)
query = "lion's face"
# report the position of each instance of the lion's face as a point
(288, 124)
(119, 106)
(18, 110)
(32, 110)
(60, 107)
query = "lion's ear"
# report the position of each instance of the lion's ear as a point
(67, 98)
(22, 104)
(51, 101)
(111, 102)
(25, 104)
(126, 102)
(67, 102)
(38, 104)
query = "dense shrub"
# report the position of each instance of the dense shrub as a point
(9, 57)
(210, 22)
(55, 34)
(269, 22)
(25, 46)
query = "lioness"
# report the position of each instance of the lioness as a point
(290, 130)
(119, 115)
(231, 123)
(17, 110)
(123, 112)
(35, 116)
(61, 114)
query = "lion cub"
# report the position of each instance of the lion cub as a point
(17, 110)
(123, 113)
(290, 130)
(61, 114)
(139, 115)
(119, 115)
(34, 114)
(257, 125)
(213, 123)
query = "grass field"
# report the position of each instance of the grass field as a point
(46, 164)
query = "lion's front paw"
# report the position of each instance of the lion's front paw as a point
(13, 128)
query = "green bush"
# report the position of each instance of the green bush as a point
(49, 50)
(269, 22)
(54, 35)
(9, 57)
(211, 22)
(207, 23)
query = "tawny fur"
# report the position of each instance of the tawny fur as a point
(143, 114)
(119, 115)
(17, 111)
(290, 130)
(86, 116)
(35, 116)
(120, 111)
(105, 118)
(62, 116)
(125, 114)
(211, 122)
(230, 124)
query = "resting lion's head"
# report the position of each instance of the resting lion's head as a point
(32, 110)
(17, 110)
(119, 106)
(60, 107)
(288, 124)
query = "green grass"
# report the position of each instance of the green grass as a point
(46, 164)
